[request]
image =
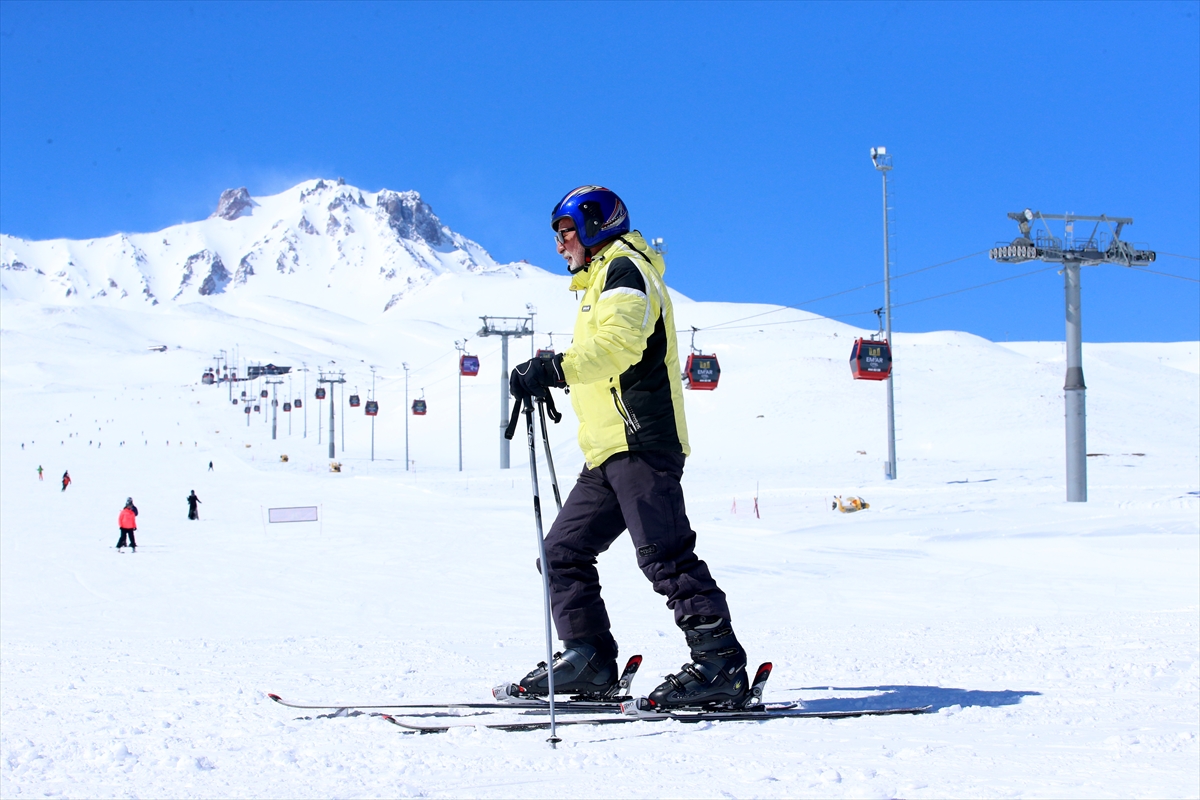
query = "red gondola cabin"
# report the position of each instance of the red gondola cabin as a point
(321, 393)
(208, 379)
(354, 401)
(371, 409)
(287, 406)
(263, 394)
(545, 352)
(297, 403)
(418, 408)
(702, 372)
(257, 408)
(871, 360)
(468, 365)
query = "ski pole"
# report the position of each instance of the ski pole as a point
(554, 415)
(527, 402)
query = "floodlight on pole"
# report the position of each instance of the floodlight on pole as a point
(883, 162)
(406, 412)
(1100, 247)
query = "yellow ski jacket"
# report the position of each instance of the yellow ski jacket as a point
(623, 363)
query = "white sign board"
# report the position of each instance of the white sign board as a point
(295, 514)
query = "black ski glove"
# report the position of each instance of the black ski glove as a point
(535, 376)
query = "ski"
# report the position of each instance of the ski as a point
(506, 698)
(664, 716)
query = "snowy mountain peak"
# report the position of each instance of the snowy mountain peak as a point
(322, 242)
(232, 203)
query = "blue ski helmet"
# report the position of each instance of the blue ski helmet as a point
(598, 214)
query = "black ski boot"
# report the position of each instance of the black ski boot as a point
(717, 675)
(585, 667)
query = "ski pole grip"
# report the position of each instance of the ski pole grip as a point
(511, 430)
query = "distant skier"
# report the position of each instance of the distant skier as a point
(623, 371)
(192, 500)
(40, 472)
(66, 480)
(210, 469)
(127, 521)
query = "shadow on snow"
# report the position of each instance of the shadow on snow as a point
(885, 697)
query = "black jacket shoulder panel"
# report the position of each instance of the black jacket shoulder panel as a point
(624, 274)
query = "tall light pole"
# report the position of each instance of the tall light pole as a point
(372, 418)
(1100, 247)
(505, 327)
(883, 163)
(406, 413)
(461, 346)
(304, 369)
(532, 309)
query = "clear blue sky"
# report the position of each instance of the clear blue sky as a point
(739, 132)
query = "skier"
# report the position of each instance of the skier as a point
(210, 469)
(66, 480)
(192, 500)
(39, 472)
(127, 521)
(623, 372)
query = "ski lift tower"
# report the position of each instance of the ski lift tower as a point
(883, 162)
(505, 327)
(274, 403)
(1100, 247)
(327, 377)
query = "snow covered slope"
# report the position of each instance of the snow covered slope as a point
(1058, 644)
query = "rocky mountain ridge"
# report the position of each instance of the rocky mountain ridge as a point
(321, 241)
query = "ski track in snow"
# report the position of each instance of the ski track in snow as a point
(1057, 642)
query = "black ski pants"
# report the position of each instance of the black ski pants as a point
(127, 532)
(638, 492)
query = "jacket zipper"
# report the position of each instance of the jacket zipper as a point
(630, 423)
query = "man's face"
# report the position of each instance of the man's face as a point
(570, 247)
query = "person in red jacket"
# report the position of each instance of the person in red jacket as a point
(66, 480)
(127, 521)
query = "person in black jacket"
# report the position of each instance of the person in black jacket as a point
(193, 512)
